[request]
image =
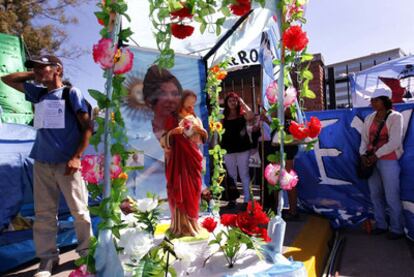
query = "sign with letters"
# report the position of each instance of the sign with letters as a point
(328, 183)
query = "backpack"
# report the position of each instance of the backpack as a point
(65, 96)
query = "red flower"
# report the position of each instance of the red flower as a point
(181, 31)
(298, 131)
(221, 75)
(181, 13)
(241, 8)
(264, 235)
(215, 69)
(295, 39)
(101, 22)
(228, 220)
(209, 224)
(246, 223)
(258, 216)
(314, 126)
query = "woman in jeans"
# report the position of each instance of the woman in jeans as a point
(384, 184)
(236, 140)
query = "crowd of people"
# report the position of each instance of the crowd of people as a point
(58, 149)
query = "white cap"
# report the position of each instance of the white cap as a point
(381, 92)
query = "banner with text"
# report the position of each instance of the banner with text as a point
(328, 182)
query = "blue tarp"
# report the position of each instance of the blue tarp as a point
(328, 183)
(16, 196)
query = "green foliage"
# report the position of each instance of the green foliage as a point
(157, 262)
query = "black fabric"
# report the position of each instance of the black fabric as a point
(230, 193)
(235, 138)
(365, 171)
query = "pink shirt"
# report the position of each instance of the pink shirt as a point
(383, 139)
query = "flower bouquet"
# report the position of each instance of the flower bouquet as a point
(237, 232)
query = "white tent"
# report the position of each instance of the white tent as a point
(245, 38)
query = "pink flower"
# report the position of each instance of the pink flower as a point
(125, 61)
(290, 96)
(116, 168)
(288, 180)
(293, 9)
(272, 173)
(91, 169)
(104, 52)
(81, 271)
(272, 92)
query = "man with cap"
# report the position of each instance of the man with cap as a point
(59, 144)
(381, 146)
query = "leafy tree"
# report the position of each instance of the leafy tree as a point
(41, 23)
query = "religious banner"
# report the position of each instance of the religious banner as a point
(153, 95)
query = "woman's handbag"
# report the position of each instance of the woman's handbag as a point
(365, 171)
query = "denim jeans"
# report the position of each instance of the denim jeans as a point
(239, 161)
(384, 186)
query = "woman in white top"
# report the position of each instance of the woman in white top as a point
(384, 184)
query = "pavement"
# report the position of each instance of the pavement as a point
(365, 255)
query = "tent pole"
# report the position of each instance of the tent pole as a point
(226, 36)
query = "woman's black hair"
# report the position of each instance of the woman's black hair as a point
(386, 101)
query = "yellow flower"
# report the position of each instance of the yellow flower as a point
(113, 117)
(220, 179)
(211, 126)
(118, 55)
(218, 126)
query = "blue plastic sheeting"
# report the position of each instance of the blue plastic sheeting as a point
(17, 247)
(16, 142)
(16, 196)
(328, 183)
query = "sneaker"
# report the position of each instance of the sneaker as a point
(378, 231)
(46, 267)
(394, 236)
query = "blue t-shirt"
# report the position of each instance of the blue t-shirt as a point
(57, 145)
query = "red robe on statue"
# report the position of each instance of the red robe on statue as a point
(183, 173)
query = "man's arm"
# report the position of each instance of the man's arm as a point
(16, 80)
(86, 132)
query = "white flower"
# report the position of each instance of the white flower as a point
(132, 221)
(184, 252)
(135, 242)
(146, 204)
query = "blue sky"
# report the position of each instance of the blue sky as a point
(339, 30)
